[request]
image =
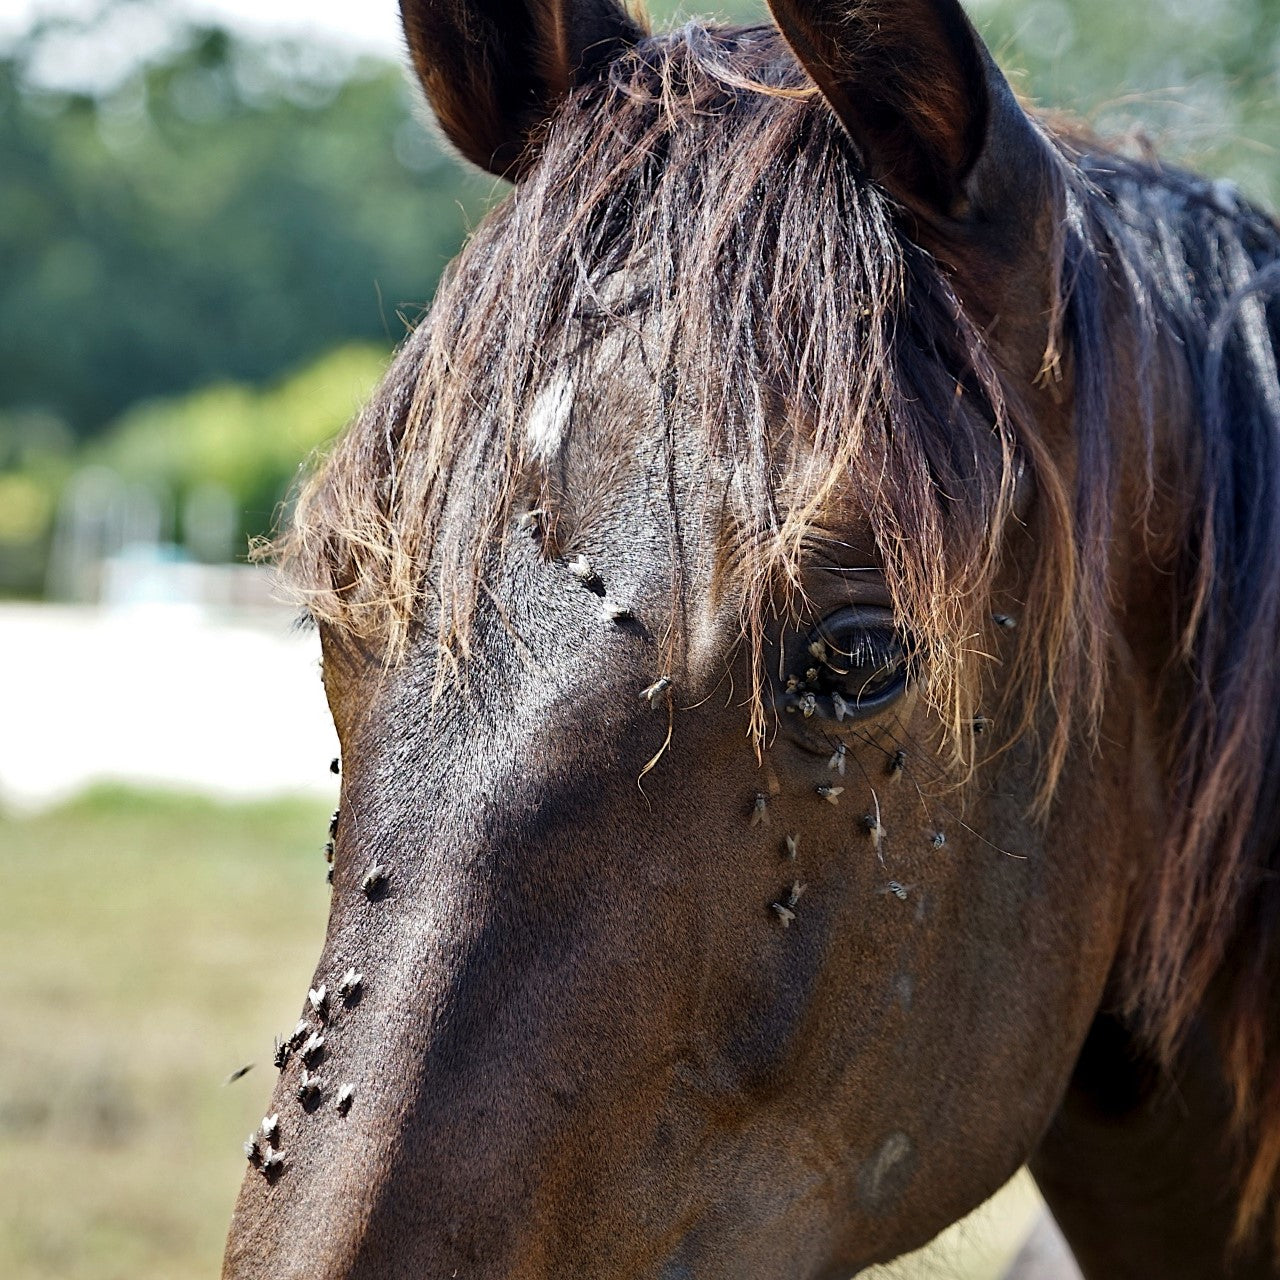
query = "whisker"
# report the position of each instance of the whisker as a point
(919, 755)
(1008, 853)
(871, 742)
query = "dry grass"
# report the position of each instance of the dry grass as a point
(149, 946)
(980, 1247)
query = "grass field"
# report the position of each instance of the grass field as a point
(149, 946)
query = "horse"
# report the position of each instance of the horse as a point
(800, 620)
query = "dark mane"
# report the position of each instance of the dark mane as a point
(703, 194)
(1205, 272)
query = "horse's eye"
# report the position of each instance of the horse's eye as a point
(855, 663)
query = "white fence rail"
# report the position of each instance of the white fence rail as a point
(162, 694)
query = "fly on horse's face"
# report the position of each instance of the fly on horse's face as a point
(727, 876)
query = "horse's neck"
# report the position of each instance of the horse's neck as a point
(1139, 1169)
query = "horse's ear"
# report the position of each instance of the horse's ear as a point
(494, 70)
(913, 84)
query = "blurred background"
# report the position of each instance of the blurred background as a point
(217, 218)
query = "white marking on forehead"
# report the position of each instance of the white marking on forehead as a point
(549, 417)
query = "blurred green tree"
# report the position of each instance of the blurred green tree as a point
(246, 441)
(225, 213)
(1197, 77)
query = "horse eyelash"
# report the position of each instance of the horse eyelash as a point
(879, 648)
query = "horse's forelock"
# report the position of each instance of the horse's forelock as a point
(706, 175)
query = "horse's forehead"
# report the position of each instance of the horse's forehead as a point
(621, 468)
(576, 616)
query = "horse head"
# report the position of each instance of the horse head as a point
(747, 609)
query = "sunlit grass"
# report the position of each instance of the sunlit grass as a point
(149, 946)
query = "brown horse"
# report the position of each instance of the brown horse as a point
(800, 617)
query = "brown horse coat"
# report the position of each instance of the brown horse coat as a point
(800, 619)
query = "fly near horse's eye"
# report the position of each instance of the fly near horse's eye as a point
(865, 663)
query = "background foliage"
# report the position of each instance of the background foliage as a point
(185, 238)
(224, 214)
